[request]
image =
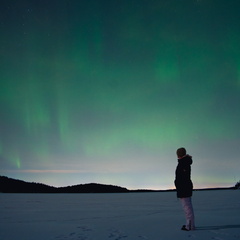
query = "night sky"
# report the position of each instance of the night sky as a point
(106, 90)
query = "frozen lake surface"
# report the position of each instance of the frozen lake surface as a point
(132, 216)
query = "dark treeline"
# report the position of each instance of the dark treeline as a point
(9, 185)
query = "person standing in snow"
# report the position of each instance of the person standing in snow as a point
(184, 187)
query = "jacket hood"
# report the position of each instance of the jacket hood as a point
(186, 160)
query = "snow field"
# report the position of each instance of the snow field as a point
(133, 216)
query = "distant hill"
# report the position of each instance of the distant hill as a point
(9, 185)
(92, 188)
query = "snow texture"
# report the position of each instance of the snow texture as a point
(133, 216)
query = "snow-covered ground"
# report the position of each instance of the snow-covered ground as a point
(133, 216)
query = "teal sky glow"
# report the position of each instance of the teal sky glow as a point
(106, 91)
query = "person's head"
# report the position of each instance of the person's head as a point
(181, 152)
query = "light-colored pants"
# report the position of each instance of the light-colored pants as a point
(189, 214)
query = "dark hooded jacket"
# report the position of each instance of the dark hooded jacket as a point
(183, 181)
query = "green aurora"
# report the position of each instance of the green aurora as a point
(106, 91)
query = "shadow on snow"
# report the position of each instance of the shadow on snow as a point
(217, 227)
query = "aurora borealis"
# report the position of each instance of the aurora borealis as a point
(106, 91)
